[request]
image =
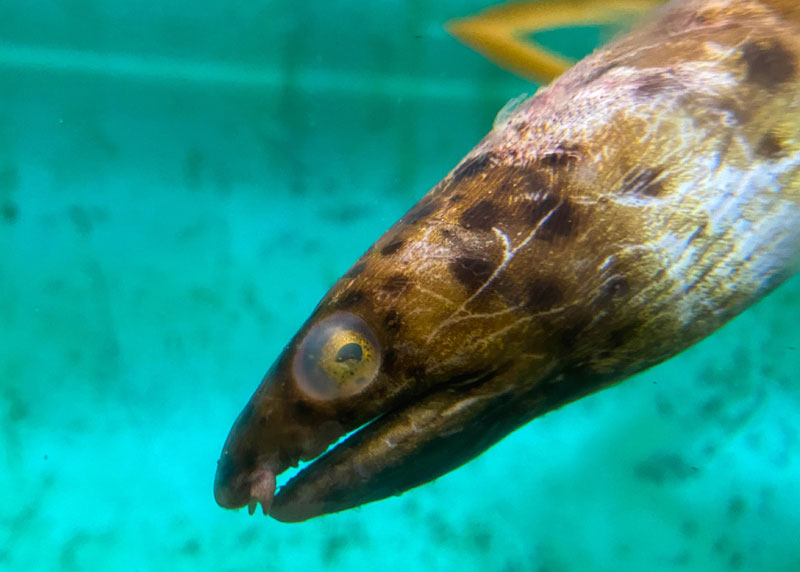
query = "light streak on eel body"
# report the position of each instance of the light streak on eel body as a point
(625, 212)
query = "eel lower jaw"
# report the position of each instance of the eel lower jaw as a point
(403, 448)
(400, 450)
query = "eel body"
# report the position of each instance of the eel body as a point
(623, 213)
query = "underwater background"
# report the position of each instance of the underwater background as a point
(181, 182)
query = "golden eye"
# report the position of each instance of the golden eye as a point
(339, 357)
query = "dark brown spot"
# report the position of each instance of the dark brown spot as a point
(564, 155)
(396, 283)
(618, 337)
(534, 181)
(392, 321)
(642, 182)
(655, 83)
(355, 270)
(419, 211)
(471, 272)
(768, 64)
(480, 216)
(569, 337)
(543, 293)
(598, 72)
(456, 197)
(389, 360)
(769, 146)
(351, 299)
(535, 210)
(559, 223)
(472, 167)
(392, 247)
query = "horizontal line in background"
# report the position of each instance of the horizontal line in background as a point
(130, 67)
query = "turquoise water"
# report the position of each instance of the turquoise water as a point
(179, 187)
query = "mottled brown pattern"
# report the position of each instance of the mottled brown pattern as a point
(471, 272)
(392, 247)
(561, 223)
(568, 335)
(472, 167)
(534, 210)
(392, 321)
(396, 283)
(543, 293)
(533, 181)
(622, 214)
(421, 210)
(770, 146)
(480, 216)
(356, 269)
(565, 155)
(598, 72)
(769, 63)
(350, 299)
(655, 83)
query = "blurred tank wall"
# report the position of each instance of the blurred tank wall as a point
(244, 91)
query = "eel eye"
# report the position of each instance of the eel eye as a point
(339, 357)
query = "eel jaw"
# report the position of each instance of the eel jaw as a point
(409, 444)
(237, 489)
(262, 489)
(420, 442)
(401, 450)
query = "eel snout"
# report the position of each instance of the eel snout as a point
(235, 490)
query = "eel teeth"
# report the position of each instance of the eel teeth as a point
(262, 489)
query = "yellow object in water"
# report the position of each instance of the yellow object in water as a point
(502, 33)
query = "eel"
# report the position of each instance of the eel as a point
(626, 211)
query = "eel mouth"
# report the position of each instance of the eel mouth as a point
(408, 444)
(395, 452)
(262, 490)
(235, 489)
